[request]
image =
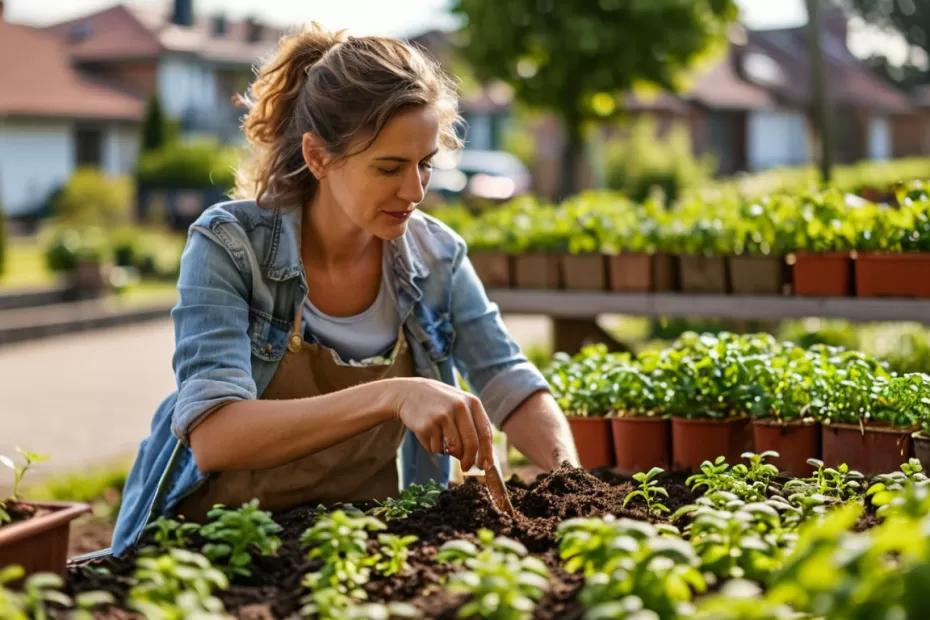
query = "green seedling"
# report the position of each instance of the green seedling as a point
(178, 584)
(340, 540)
(649, 490)
(503, 582)
(414, 497)
(168, 533)
(393, 553)
(235, 535)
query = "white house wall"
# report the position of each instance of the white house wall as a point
(120, 148)
(879, 137)
(186, 84)
(776, 138)
(35, 158)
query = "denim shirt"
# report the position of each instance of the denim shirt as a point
(242, 281)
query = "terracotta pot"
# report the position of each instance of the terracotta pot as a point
(703, 274)
(822, 274)
(493, 268)
(593, 441)
(877, 450)
(665, 274)
(893, 275)
(630, 272)
(696, 441)
(584, 272)
(535, 270)
(641, 443)
(757, 275)
(921, 443)
(794, 441)
(41, 543)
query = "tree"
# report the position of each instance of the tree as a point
(155, 127)
(908, 18)
(578, 58)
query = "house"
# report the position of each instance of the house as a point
(55, 118)
(195, 64)
(753, 109)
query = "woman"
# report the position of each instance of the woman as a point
(319, 324)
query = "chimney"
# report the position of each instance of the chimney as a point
(218, 26)
(183, 13)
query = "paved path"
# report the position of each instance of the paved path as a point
(88, 397)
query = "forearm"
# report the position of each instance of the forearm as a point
(538, 429)
(258, 434)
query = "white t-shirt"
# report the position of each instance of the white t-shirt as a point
(360, 337)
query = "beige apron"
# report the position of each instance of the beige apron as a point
(359, 468)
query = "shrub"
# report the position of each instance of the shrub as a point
(199, 164)
(90, 198)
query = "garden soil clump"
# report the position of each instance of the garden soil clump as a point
(275, 590)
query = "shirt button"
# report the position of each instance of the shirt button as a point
(267, 348)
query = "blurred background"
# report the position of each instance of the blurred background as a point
(118, 127)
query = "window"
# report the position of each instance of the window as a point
(88, 143)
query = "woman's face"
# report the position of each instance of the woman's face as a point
(378, 189)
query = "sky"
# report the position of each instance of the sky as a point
(397, 17)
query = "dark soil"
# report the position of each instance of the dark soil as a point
(541, 504)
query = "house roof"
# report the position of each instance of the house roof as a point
(39, 80)
(123, 32)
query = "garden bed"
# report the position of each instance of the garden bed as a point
(541, 504)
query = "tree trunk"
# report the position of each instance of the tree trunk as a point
(571, 155)
(819, 91)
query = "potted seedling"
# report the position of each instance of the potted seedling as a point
(638, 260)
(489, 241)
(584, 266)
(642, 436)
(703, 242)
(757, 266)
(581, 386)
(789, 426)
(822, 242)
(537, 245)
(920, 409)
(711, 393)
(868, 422)
(34, 534)
(894, 256)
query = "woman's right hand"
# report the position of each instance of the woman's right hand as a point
(442, 416)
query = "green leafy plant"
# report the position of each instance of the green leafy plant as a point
(19, 471)
(393, 554)
(178, 584)
(340, 540)
(168, 533)
(503, 581)
(649, 490)
(234, 535)
(412, 498)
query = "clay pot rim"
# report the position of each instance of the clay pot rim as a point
(772, 421)
(831, 254)
(61, 513)
(709, 421)
(872, 427)
(587, 418)
(920, 435)
(890, 256)
(639, 419)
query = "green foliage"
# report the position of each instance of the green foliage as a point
(503, 581)
(640, 161)
(188, 165)
(235, 535)
(177, 585)
(414, 497)
(393, 554)
(340, 540)
(554, 55)
(40, 589)
(19, 471)
(157, 130)
(839, 483)
(649, 490)
(630, 566)
(68, 246)
(168, 533)
(91, 198)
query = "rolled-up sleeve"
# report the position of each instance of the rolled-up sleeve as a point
(212, 359)
(483, 350)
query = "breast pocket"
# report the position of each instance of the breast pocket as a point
(268, 336)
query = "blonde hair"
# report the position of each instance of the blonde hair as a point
(340, 88)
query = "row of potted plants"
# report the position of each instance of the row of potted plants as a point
(708, 395)
(820, 243)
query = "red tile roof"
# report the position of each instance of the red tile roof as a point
(38, 80)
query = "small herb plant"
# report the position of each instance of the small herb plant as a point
(412, 498)
(340, 540)
(19, 471)
(168, 533)
(392, 557)
(177, 584)
(234, 535)
(40, 589)
(649, 490)
(503, 581)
